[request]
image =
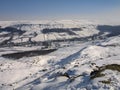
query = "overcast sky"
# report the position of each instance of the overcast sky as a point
(59, 9)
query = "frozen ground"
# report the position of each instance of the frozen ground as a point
(90, 65)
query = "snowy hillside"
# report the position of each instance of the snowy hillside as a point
(36, 33)
(59, 55)
(23, 32)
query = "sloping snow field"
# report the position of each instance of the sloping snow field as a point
(91, 65)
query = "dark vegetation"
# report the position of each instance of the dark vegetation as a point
(106, 81)
(98, 73)
(61, 30)
(19, 55)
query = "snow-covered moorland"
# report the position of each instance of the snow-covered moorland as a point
(86, 56)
